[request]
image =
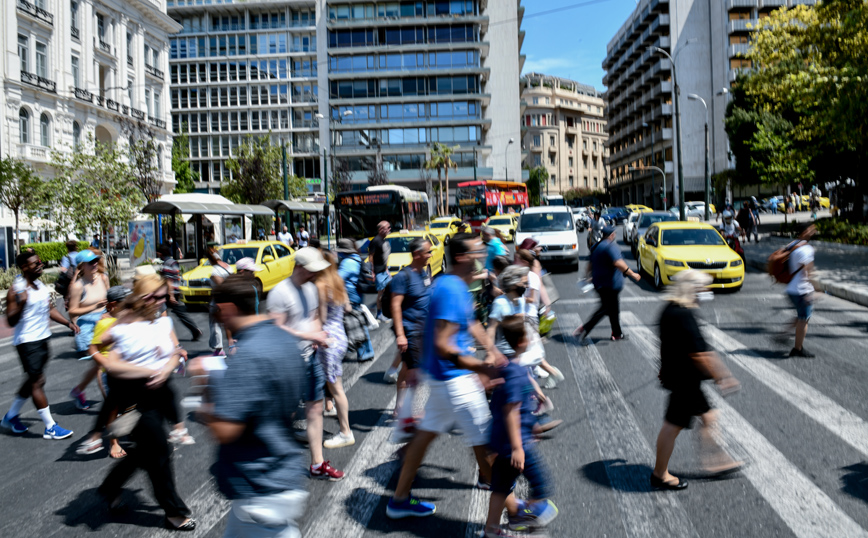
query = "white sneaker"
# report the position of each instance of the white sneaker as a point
(339, 440)
(391, 376)
(333, 412)
(557, 374)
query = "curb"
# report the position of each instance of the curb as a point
(836, 290)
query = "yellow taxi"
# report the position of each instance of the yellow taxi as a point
(402, 257)
(444, 228)
(276, 259)
(805, 203)
(637, 207)
(670, 247)
(503, 223)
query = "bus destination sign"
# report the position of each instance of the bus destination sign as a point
(366, 198)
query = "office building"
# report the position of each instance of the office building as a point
(564, 130)
(708, 41)
(77, 68)
(372, 83)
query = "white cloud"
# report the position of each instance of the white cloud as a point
(545, 65)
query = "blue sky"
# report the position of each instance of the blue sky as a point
(571, 43)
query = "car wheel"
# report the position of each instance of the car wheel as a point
(443, 265)
(658, 278)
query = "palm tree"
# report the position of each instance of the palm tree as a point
(434, 163)
(441, 155)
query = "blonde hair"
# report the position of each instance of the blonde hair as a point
(331, 281)
(143, 287)
(686, 284)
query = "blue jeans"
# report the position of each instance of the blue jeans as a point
(804, 305)
(504, 475)
(383, 279)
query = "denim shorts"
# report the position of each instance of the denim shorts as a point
(504, 475)
(382, 280)
(804, 305)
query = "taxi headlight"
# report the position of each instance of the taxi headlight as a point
(674, 263)
(184, 282)
(735, 263)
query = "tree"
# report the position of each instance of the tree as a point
(93, 187)
(435, 163)
(21, 190)
(441, 156)
(341, 178)
(537, 177)
(256, 172)
(185, 176)
(425, 177)
(144, 158)
(377, 176)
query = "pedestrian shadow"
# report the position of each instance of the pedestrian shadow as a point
(435, 526)
(855, 482)
(88, 509)
(619, 475)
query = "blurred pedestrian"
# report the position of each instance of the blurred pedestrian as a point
(494, 247)
(259, 465)
(686, 360)
(29, 310)
(753, 207)
(457, 396)
(285, 237)
(171, 272)
(219, 271)
(607, 270)
(801, 289)
(333, 303)
(87, 303)
(350, 270)
(379, 250)
(303, 237)
(247, 268)
(294, 305)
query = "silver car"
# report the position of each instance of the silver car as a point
(629, 224)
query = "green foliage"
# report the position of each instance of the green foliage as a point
(144, 158)
(834, 230)
(93, 187)
(185, 176)
(21, 190)
(535, 182)
(775, 158)
(580, 193)
(441, 160)
(6, 277)
(54, 251)
(257, 173)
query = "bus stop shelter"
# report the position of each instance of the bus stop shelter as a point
(299, 213)
(199, 210)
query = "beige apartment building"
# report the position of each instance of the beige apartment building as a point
(564, 129)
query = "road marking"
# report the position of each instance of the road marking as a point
(802, 506)
(618, 437)
(654, 299)
(838, 420)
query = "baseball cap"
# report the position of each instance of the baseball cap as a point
(608, 230)
(311, 259)
(117, 293)
(247, 264)
(86, 256)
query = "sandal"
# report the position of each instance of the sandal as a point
(89, 447)
(118, 455)
(186, 526)
(181, 437)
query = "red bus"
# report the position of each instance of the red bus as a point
(478, 200)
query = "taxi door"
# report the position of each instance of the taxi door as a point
(649, 252)
(284, 259)
(438, 251)
(270, 275)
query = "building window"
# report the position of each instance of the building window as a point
(129, 44)
(570, 162)
(553, 179)
(23, 126)
(41, 59)
(73, 9)
(595, 145)
(24, 52)
(148, 100)
(536, 100)
(44, 130)
(130, 90)
(100, 26)
(551, 141)
(76, 136)
(537, 159)
(156, 104)
(537, 140)
(552, 161)
(147, 54)
(586, 182)
(585, 145)
(548, 101)
(76, 73)
(572, 181)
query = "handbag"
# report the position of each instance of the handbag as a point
(124, 424)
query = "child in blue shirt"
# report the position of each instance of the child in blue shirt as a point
(512, 440)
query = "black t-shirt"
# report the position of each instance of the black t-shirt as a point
(380, 249)
(680, 337)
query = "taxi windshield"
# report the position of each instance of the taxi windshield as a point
(232, 255)
(688, 237)
(400, 245)
(439, 225)
(504, 221)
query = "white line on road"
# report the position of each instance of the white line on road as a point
(619, 439)
(592, 299)
(802, 506)
(841, 422)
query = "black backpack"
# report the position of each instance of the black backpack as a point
(61, 286)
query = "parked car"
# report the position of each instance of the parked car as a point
(615, 215)
(627, 232)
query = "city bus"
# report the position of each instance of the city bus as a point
(553, 199)
(359, 212)
(478, 200)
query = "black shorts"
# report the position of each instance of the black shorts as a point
(412, 358)
(34, 357)
(684, 405)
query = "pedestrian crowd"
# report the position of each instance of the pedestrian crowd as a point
(472, 336)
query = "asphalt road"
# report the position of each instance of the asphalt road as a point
(801, 424)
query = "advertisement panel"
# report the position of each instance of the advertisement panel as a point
(143, 246)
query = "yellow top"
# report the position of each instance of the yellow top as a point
(101, 327)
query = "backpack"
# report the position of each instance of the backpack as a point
(778, 265)
(65, 279)
(386, 301)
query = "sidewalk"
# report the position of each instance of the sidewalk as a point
(839, 269)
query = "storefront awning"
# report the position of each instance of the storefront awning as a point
(293, 205)
(165, 207)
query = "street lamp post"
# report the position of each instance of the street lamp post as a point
(694, 97)
(678, 128)
(662, 173)
(653, 201)
(726, 94)
(505, 159)
(325, 178)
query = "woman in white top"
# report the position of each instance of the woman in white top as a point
(219, 271)
(87, 302)
(141, 360)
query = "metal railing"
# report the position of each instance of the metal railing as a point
(36, 11)
(75, 32)
(157, 122)
(39, 82)
(129, 59)
(103, 46)
(150, 69)
(83, 94)
(138, 114)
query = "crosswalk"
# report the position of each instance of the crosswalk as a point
(789, 489)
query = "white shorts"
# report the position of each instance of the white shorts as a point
(458, 403)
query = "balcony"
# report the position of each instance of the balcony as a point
(36, 13)
(32, 152)
(153, 71)
(735, 4)
(75, 33)
(772, 4)
(83, 94)
(39, 82)
(157, 122)
(739, 49)
(742, 25)
(112, 105)
(102, 46)
(138, 114)
(129, 60)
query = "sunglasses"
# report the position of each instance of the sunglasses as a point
(159, 297)
(93, 262)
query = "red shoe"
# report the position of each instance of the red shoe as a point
(326, 472)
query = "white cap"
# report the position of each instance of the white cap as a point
(247, 264)
(311, 259)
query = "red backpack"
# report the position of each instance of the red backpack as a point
(778, 265)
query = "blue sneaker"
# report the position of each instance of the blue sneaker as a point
(533, 516)
(411, 507)
(56, 432)
(14, 424)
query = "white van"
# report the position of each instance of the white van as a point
(553, 228)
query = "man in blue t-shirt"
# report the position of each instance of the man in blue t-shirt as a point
(457, 396)
(607, 270)
(411, 293)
